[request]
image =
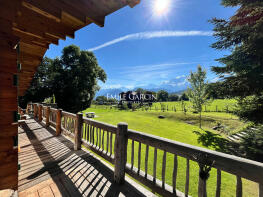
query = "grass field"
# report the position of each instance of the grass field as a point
(218, 105)
(180, 127)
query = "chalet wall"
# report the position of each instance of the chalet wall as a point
(8, 107)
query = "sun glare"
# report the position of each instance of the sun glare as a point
(161, 7)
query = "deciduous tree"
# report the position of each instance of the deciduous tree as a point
(198, 91)
(72, 79)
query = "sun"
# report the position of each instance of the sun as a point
(161, 7)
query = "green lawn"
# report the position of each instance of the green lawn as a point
(179, 127)
(218, 105)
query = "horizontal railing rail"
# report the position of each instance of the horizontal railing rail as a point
(111, 142)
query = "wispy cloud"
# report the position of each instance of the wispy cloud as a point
(152, 34)
(153, 67)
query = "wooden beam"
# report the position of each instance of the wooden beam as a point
(29, 36)
(43, 24)
(41, 8)
(87, 9)
(133, 3)
(55, 10)
(32, 49)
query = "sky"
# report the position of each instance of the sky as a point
(152, 44)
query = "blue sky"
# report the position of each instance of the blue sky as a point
(138, 47)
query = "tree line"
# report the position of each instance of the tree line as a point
(71, 80)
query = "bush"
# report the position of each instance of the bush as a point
(123, 106)
(135, 106)
(251, 144)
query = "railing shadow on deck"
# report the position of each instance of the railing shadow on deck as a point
(70, 163)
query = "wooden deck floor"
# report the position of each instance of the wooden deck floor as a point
(50, 167)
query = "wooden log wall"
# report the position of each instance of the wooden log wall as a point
(8, 113)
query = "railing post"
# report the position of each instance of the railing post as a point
(40, 107)
(78, 130)
(47, 116)
(120, 152)
(27, 106)
(35, 110)
(58, 122)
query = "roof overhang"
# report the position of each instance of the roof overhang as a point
(36, 24)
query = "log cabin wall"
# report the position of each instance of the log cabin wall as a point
(8, 108)
(27, 28)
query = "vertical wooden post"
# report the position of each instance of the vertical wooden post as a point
(202, 187)
(27, 108)
(120, 151)
(47, 116)
(35, 110)
(58, 122)
(78, 130)
(40, 108)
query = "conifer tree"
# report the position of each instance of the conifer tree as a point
(242, 71)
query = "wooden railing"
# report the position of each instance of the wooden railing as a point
(99, 137)
(68, 122)
(112, 142)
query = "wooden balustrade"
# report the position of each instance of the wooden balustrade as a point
(35, 110)
(100, 137)
(240, 167)
(47, 115)
(68, 123)
(78, 132)
(58, 121)
(40, 108)
(120, 151)
(52, 117)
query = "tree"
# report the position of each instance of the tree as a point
(162, 95)
(198, 92)
(214, 91)
(101, 99)
(140, 90)
(73, 78)
(173, 97)
(242, 70)
(184, 97)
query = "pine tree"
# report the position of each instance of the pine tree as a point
(242, 70)
(198, 92)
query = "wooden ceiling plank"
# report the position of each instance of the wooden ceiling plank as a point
(68, 19)
(43, 24)
(87, 9)
(41, 8)
(54, 9)
(32, 49)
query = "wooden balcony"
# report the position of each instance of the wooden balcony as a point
(49, 155)
(51, 167)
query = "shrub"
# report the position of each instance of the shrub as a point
(251, 144)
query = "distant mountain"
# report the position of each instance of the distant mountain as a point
(177, 85)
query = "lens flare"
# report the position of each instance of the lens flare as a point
(161, 7)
